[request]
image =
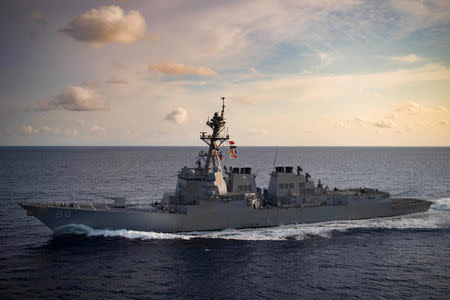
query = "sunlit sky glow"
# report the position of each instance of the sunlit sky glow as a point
(295, 73)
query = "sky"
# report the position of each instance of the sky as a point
(294, 73)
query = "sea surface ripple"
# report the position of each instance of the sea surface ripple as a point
(397, 257)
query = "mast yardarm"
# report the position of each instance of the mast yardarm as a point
(216, 139)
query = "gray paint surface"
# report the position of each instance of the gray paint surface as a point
(215, 216)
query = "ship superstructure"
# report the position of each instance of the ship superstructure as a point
(205, 180)
(209, 197)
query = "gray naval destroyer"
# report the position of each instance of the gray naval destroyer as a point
(209, 197)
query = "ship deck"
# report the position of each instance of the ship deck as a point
(93, 206)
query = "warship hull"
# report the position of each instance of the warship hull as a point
(212, 215)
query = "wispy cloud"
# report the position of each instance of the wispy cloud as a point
(303, 88)
(414, 15)
(107, 24)
(47, 130)
(169, 68)
(98, 130)
(411, 114)
(410, 58)
(440, 108)
(412, 108)
(29, 130)
(325, 60)
(117, 80)
(365, 123)
(384, 124)
(259, 27)
(257, 55)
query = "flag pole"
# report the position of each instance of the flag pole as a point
(275, 158)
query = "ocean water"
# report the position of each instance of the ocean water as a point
(399, 257)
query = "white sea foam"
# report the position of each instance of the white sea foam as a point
(80, 229)
(441, 204)
(437, 217)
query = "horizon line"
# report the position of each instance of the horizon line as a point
(311, 146)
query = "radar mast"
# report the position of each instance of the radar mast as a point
(214, 140)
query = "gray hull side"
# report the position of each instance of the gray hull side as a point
(217, 216)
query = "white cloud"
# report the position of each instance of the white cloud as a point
(412, 108)
(181, 69)
(411, 116)
(98, 130)
(325, 60)
(47, 130)
(323, 56)
(71, 132)
(440, 108)
(392, 116)
(341, 124)
(362, 122)
(254, 71)
(302, 88)
(383, 124)
(178, 115)
(74, 98)
(107, 24)
(410, 58)
(29, 130)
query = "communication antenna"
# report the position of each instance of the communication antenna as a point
(223, 105)
(275, 158)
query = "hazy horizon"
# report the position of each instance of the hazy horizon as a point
(199, 146)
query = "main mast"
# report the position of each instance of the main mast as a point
(216, 139)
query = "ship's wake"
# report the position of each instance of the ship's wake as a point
(437, 217)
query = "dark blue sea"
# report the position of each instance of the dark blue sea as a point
(395, 258)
